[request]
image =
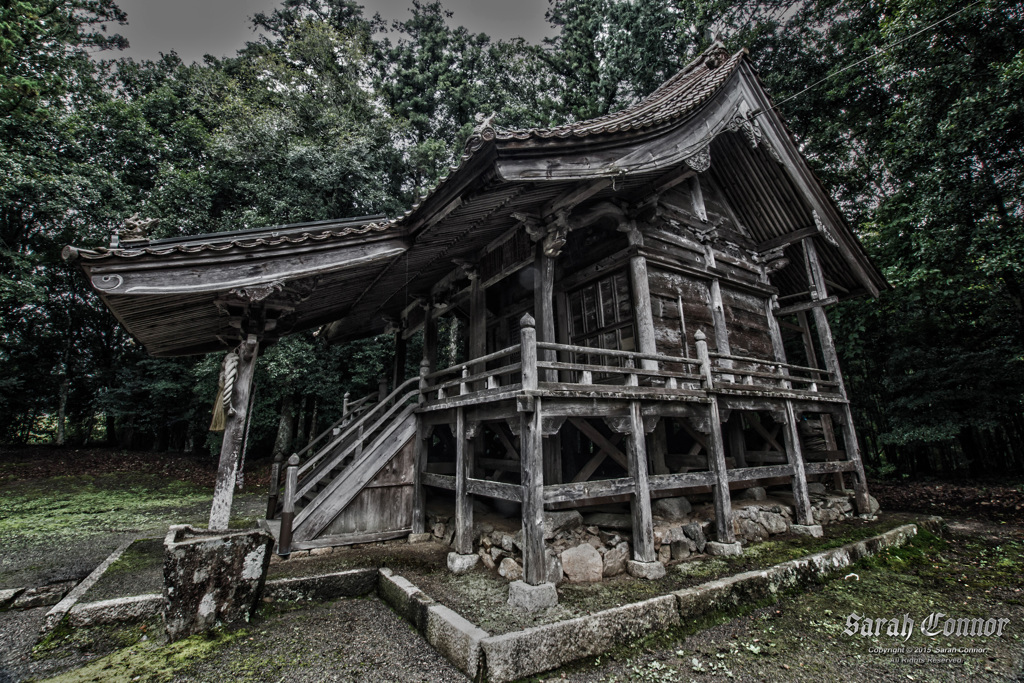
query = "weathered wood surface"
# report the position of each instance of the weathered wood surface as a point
(234, 430)
(532, 454)
(585, 490)
(640, 507)
(185, 275)
(315, 517)
(495, 489)
(794, 450)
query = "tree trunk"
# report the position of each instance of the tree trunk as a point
(312, 422)
(300, 429)
(285, 426)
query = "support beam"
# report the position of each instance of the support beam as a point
(544, 308)
(642, 313)
(659, 448)
(430, 336)
(532, 471)
(463, 499)
(234, 431)
(794, 452)
(828, 350)
(640, 505)
(398, 366)
(477, 324)
(419, 496)
(724, 532)
(737, 443)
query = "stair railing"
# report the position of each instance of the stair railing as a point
(354, 435)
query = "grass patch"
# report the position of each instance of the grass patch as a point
(149, 661)
(66, 509)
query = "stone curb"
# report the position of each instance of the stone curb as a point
(515, 655)
(118, 610)
(347, 584)
(60, 610)
(447, 632)
(519, 654)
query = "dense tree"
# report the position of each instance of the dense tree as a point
(331, 113)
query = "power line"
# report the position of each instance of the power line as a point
(883, 51)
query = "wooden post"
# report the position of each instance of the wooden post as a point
(291, 485)
(544, 307)
(477, 324)
(718, 316)
(642, 313)
(705, 360)
(532, 471)
(419, 496)
(430, 335)
(716, 460)
(640, 504)
(794, 451)
(398, 367)
(344, 407)
(463, 499)
(828, 350)
(382, 388)
(275, 485)
(778, 348)
(528, 352)
(659, 448)
(737, 443)
(231, 447)
(828, 433)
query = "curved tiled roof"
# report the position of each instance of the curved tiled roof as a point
(674, 99)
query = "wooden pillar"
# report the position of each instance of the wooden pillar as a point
(828, 433)
(718, 316)
(643, 316)
(398, 367)
(778, 347)
(234, 428)
(828, 349)
(291, 486)
(544, 307)
(477, 324)
(419, 495)
(463, 499)
(531, 463)
(737, 442)
(794, 452)
(430, 336)
(659, 447)
(275, 485)
(640, 504)
(724, 531)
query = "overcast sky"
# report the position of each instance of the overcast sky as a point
(193, 28)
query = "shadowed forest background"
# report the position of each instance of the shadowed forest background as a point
(331, 113)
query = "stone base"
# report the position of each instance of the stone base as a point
(723, 549)
(460, 564)
(812, 530)
(532, 598)
(645, 570)
(212, 577)
(420, 538)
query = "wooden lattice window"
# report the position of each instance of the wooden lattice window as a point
(601, 317)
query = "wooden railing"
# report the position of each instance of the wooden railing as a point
(472, 376)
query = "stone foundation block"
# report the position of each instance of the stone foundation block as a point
(723, 549)
(645, 570)
(532, 598)
(460, 564)
(420, 538)
(455, 638)
(812, 530)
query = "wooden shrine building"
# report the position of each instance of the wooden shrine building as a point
(641, 311)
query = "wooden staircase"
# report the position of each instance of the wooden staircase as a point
(357, 486)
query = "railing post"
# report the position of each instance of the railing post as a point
(463, 389)
(275, 485)
(528, 351)
(291, 484)
(345, 408)
(424, 371)
(632, 380)
(704, 358)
